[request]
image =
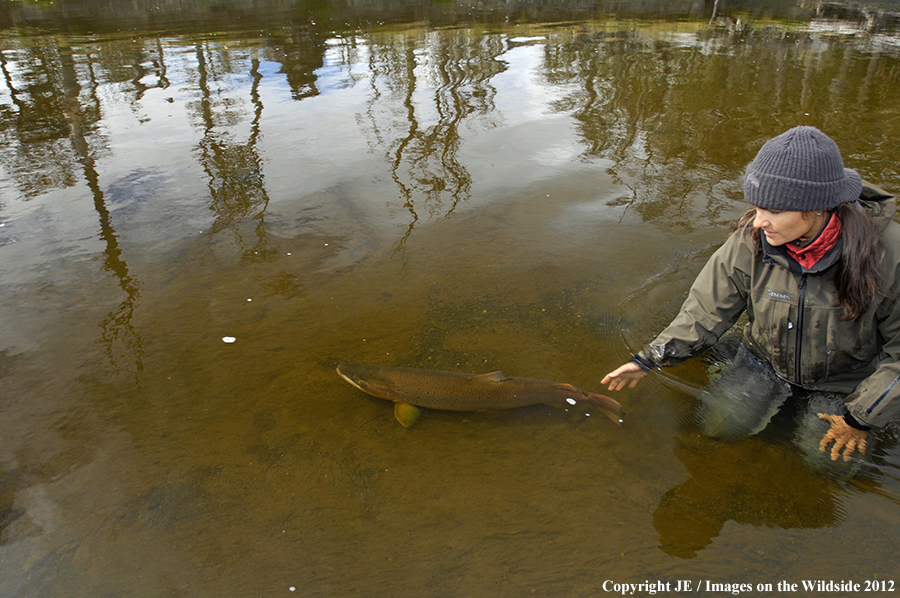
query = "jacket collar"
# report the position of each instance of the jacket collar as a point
(780, 256)
(878, 203)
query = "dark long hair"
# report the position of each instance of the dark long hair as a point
(857, 275)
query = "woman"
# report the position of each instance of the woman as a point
(814, 264)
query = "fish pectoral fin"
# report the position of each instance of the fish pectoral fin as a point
(497, 376)
(406, 414)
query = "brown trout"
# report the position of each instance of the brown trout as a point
(411, 388)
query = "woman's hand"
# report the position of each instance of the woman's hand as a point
(844, 437)
(627, 374)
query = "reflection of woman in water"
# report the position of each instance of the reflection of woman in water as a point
(814, 263)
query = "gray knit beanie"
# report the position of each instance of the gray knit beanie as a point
(801, 170)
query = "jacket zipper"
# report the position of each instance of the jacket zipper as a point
(801, 302)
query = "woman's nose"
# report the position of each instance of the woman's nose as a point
(758, 221)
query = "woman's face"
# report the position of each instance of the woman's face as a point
(782, 227)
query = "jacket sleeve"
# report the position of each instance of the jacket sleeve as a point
(876, 400)
(716, 300)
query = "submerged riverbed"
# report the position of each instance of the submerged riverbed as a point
(204, 211)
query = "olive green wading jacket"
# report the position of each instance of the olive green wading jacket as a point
(794, 319)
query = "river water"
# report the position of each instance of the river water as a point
(521, 187)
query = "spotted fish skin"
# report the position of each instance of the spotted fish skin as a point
(451, 391)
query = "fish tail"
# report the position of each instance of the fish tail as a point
(610, 407)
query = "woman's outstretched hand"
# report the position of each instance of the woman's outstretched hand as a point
(844, 437)
(628, 374)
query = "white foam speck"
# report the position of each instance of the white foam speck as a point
(228, 339)
(570, 401)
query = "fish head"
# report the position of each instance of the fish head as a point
(368, 379)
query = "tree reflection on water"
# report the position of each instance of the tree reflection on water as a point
(427, 92)
(421, 142)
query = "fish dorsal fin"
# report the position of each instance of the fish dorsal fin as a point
(406, 414)
(497, 376)
(567, 388)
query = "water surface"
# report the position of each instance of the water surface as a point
(420, 185)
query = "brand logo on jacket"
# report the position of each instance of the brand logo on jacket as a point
(778, 295)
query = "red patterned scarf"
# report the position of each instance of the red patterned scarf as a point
(808, 255)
